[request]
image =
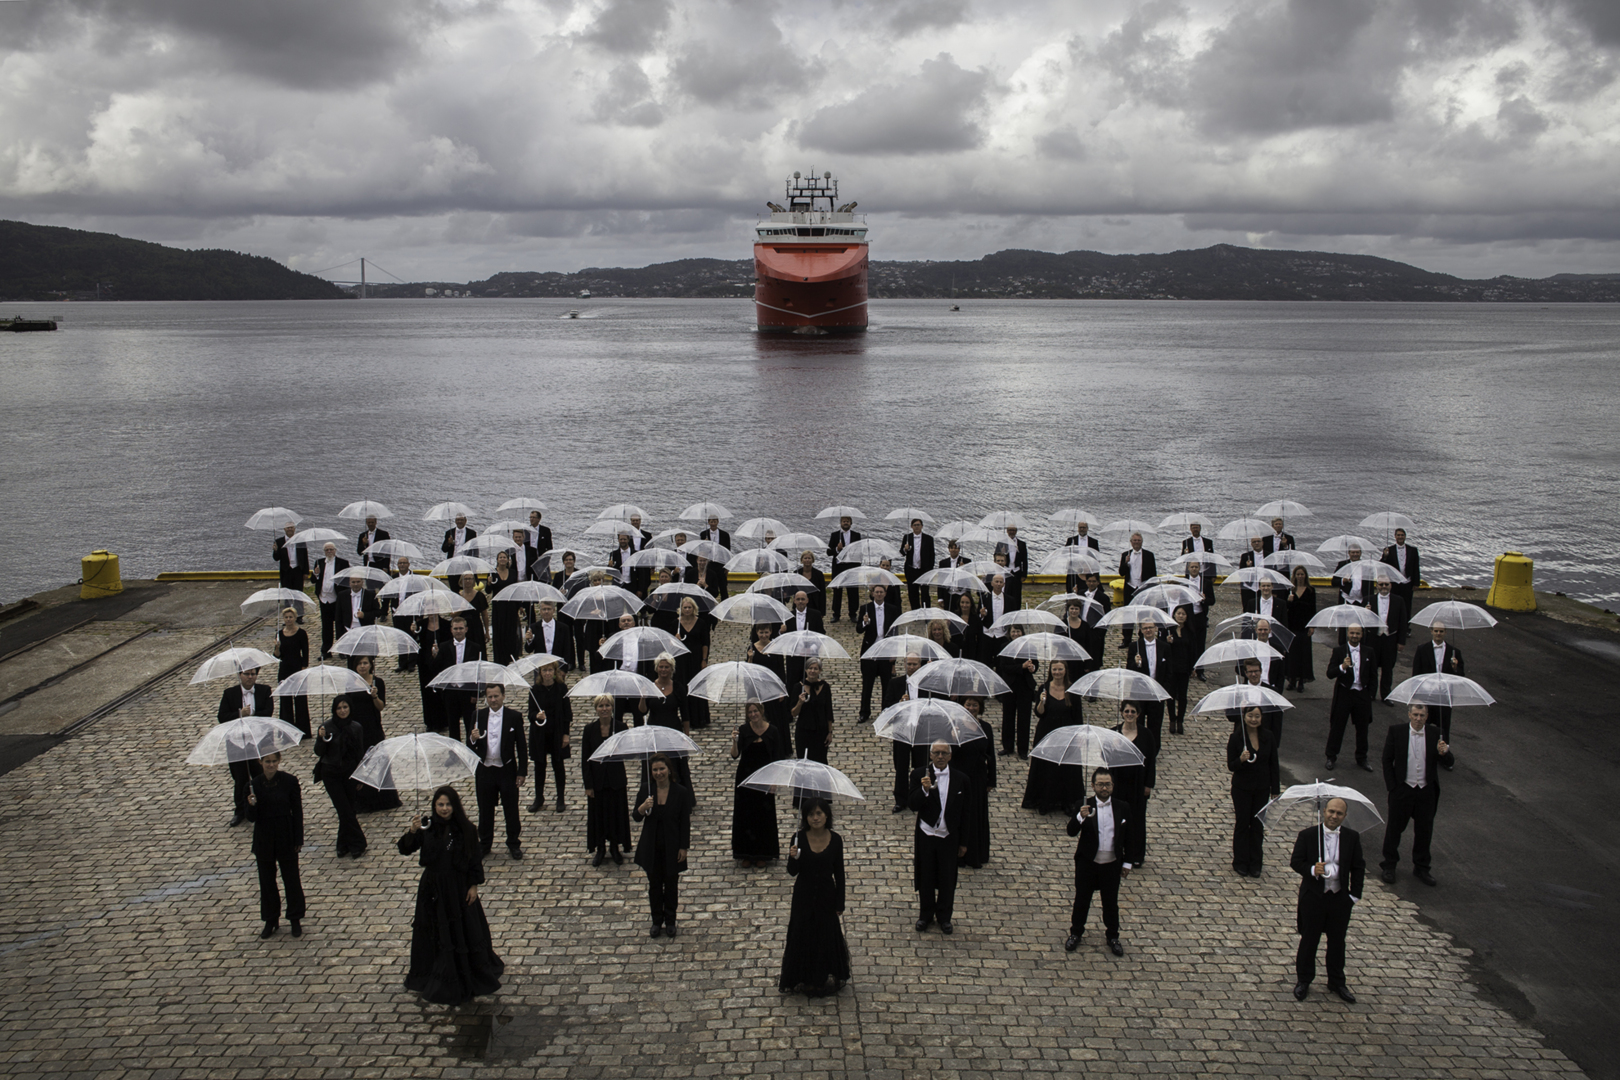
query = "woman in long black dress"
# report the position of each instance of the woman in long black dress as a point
(452, 956)
(506, 637)
(1077, 630)
(1020, 675)
(478, 617)
(434, 653)
(812, 713)
(755, 744)
(779, 710)
(693, 630)
(366, 706)
(711, 578)
(551, 717)
(670, 711)
(276, 808)
(292, 650)
(340, 744)
(1135, 783)
(1249, 750)
(977, 758)
(607, 817)
(970, 638)
(1301, 609)
(665, 811)
(1178, 666)
(1052, 786)
(816, 956)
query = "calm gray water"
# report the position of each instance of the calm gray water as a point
(155, 429)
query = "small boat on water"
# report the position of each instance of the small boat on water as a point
(573, 313)
(19, 325)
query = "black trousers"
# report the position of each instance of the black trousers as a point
(1441, 714)
(1330, 917)
(432, 709)
(1015, 714)
(329, 614)
(1418, 806)
(497, 785)
(241, 772)
(350, 837)
(906, 758)
(295, 711)
(1093, 877)
(916, 594)
(457, 710)
(1356, 712)
(1387, 654)
(269, 897)
(811, 742)
(1247, 833)
(663, 892)
(1273, 722)
(559, 772)
(871, 672)
(851, 596)
(936, 877)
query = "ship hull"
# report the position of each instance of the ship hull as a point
(810, 288)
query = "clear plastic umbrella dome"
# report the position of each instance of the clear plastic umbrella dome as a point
(747, 607)
(409, 585)
(1454, 615)
(487, 546)
(319, 537)
(520, 504)
(1119, 684)
(871, 551)
(925, 721)
(909, 513)
(803, 779)
(833, 513)
(1300, 807)
(1246, 625)
(274, 517)
(1234, 651)
(1202, 558)
(457, 565)
(320, 680)
(1133, 615)
(1371, 571)
(925, 616)
(232, 662)
(807, 643)
(1440, 688)
(271, 601)
(1070, 560)
(372, 576)
(759, 561)
(417, 762)
(642, 643)
(530, 592)
(375, 640)
(903, 646)
(1089, 746)
(359, 511)
(736, 682)
(652, 558)
(1073, 517)
(1282, 508)
(757, 528)
(1345, 615)
(610, 527)
(603, 603)
(960, 678)
(1387, 522)
(449, 511)
(1244, 529)
(1028, 618)
(954, 579)
(507, 528)
(703, 511)
(1239, 697)
(393, 549)
(706, 549)
(533, 662)
(641, 743)
(799, 541)
(1002, 519)
(863, 577)
(425, 602)
(619, 684)
(1339, 546)
(782, 583)
(1250, 577)
(668, 597)
(1183, 519)
(247, 738)
(1288, 558)
(1168, 595)
(1126, 526)
(1045, 646)
(476, 675)
(623, 512)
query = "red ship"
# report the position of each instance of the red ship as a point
(810, 262)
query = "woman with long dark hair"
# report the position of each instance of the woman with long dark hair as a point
(506, 637)
(1301, 609)
(664, 809)
(1052, 786)
(755, 744)
(340, 744)
(1135, 783)
(452, 957)
(1249, 750)
(478, 617)
(816, 956)
(366, 706)
(292, 650)
(1178, 667)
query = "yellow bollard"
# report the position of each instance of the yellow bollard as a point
(100, 575)
(1510, 588)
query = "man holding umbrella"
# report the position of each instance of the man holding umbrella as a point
(1404, 557)
(326, 592)
(455, 537)
(917, 549)
(1439, 657)
(1354, 669)
(1387, 644)
(940, 797)
(1413, 753)
(358, 606)
(836, 543)
(247, 698)
(1111, 841)
(292, 560)
(503, 766)
(1332, 871)
(372, 535)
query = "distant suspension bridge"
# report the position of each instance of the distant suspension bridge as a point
(362, 283)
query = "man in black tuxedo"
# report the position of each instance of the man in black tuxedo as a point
(1254, 557)
(1270, 604)
(1354, 587)
(801, 616)
(939, 795)
(389, 611)
(1404, 557)
(1151, 657)
(456, 536)
(1102, 602)
(906, 756)
(1332, 871)
(718, 535)
(951, 599)
(539, 536)
(1017, 553)
(636, 579)
(1196, 540)
(328, 594)
(292, 560)
(1439, 657)
(503, 766)
(836, 543)
(1136, 565)
(1354, 669)
(873, 621)
(372, 535)
(1413, 754)
(358, 607)
(1388, 643)
(917, 553)
(524, 557)
(1278, 540)
(551, 633)
(1111, 842)
(458, 704)
(246, 698)
(1203, 584)
(1081, 540)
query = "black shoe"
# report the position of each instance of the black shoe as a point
(1240, 871)
(355, 853)
(1363, 766)
(1071, 943)
(1254, 871)
(237, 820)
(598, 859)
(1115, 947)
(656, 931)
(898, 808)
(1344, 993)
(669, 929)
(1388, 704)
(297, 928)
(516, 853)
(1425, 877)
(924, 924)
(269, 930)
(342, 852)
(618, 857)
(486, 852)
(1300, 990)
(1388, 875)
(1332, 761)
(865, 717)
(535, 807)
(945, 927)
(1006, 751)
(562, 807)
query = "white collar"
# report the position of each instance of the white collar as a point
(1330, 832)
(1105, 804)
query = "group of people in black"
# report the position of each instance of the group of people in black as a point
(946, 786)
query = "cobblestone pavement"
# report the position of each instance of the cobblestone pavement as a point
(129, 948)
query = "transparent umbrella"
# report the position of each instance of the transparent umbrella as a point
(1119, 684)
(393, 549)
(610, 527)
(703, 511)
(1127, 526)
(756, 528)
(736, 682)
(375, 640)
(507, 528)
(706, 549)
(1043, 647)
(1244, 529)
(807, 643)
(953, 530)
(1339, 546)
(320, 680)
(1027, 617)
(799, 541)
(623, 512)
(1387, 522)
(803, 779)
(417, 762)
(1282, 508)
(656, 558)
(449, 511)
(1345, 615)
(1440, 688)
(457, 565)
(1001, 519)
(1181, 519)
(1234, 650)
(1070, 560)
(271, 601)
(604, 603)
(909, 513)
(668, 597)
(871, 550)
(833, 513)
(319, 536)
(1371, 570)
(247, 738)
(1239, 697)
(1088, 746)
(529, 592)
(1246, 625)
(359, 511)
(953, 579)
(748, 607)
(476, 675)
(273, 517)
(863, 576)
(1454, 615)
(1133, 615)
(759, 561)
(641, 743)
(619, 684)
(960, 678)
(533, 662)
(925, 721)
(1300, 807)
(1202, 558)
(898, 648)
(923, 616)
(642, 643)
(487, 546)
(1288, 558)
(431, 602)
(1168, 595)
(371, 575)
(521, 505)
(1074, 516)
(1250, 577)
(778, 583)
(232, 662)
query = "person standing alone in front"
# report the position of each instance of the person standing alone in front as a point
(1110, 844)
(940, 798)
(1332, 870)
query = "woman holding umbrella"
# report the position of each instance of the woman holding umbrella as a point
(478, 617)
(1052, 786)
(452, 957)
(760, 638)
(607, 818)
(670, 711)
(434, 654)
(1249, 751)
(367, 709)
(1179, 657)
(693, 630)
(665, 811)
(755, 744)
(340, 744)
(551, 715)
(292, 650)
(970, 639)
(505, 635)
(977, 758)
(939, 632)
(816, 956)
(1020, 675)
(812, 713)
(1135, 783)
(1301, 609)
(276, 808)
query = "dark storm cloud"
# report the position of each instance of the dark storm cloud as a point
(1143, 54)
(1061, 144)
(631, 27)
(743, 61)
(932, 112)
(1600, 17)
(628, 98)
(916, 16)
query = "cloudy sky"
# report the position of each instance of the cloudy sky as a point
(449, 139)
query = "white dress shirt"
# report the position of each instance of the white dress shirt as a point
(356, 599)
(1382, 607)
(461, 650)
(548, 634)
(998, 608)
(328, 588)
(1400, 557)
(1135, 564)
(942, 783)
(916, 551)
(1330, 860)
(1417, 756)
(492, 735)
(1150, 655)
(1105, 832)
(1439, 658)
(248, 700)
(1265, 606)
(1355, 666)
(459, 539)
(799, 619)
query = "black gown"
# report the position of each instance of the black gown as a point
(607, 814)
(452, 956)
(978, 760)
(753, 813)
(816, 956)
(814, 725)
(294, 658)
(506, 639)
(364, 712)
(1300, 613)
(1130, 781)
(688, 665)
(1052, 786)
(670, 712)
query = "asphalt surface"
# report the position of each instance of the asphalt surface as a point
(1527, 841)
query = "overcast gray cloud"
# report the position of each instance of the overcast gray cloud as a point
(451, 138)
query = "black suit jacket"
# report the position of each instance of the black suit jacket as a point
(293, 569)
(449, 545)
(1150, 567)
(1343, 680)
(530, 557)
(370, 611)
(719, 536)
(1018, 561)
(1368, 587)
(514, 747)
(1091, 542)
(1413, 564)
(1204, 544)
(866, 621)
(836, 538)
(812, 621)
(1129, 841)
(339, 564)
(230, 702)
(360, 545)
(562, 644)
(926, 804)
(1395, 763)
(926, 543)
(540, 539)
(1396, 620)
(1352, 868)
(1268, 544)
(1423, 660)
(818, 595)
(1136, 658)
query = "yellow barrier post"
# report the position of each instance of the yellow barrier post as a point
(1510, 587)
(99, 575)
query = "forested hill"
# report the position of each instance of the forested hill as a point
(1222, 272)
(45, 262)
